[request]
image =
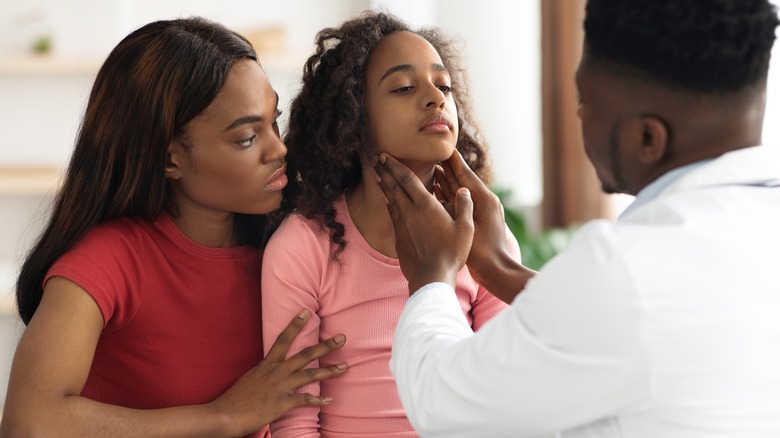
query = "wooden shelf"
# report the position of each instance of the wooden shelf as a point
(54, 65)
(49, 65)
(29, 181)
(8, 272)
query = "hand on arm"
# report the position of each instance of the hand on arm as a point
(490, 262)
(55, 353)
(431, 245)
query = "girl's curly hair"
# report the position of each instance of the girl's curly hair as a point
(327, 136)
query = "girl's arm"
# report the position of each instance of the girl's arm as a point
(291, 276)
(55, 354)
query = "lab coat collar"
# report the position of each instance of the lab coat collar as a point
(755, 166)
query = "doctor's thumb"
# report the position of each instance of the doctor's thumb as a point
(464, 211)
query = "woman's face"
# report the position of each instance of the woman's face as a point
(411, 111)
(230, 158)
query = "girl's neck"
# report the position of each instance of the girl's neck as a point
(367, 208)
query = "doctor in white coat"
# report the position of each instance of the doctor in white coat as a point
(663, 324)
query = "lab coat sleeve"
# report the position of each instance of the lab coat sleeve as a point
(567, 352)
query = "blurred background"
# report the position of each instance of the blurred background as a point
(521, 57)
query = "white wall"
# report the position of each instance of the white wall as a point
(39, 114)
(502, 48)
(42, 100)
(772, 116)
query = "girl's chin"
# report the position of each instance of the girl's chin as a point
(427, 159)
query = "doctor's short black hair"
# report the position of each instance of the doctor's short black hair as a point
(703, 46)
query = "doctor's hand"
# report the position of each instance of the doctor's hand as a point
(432, 246)
(490, 262)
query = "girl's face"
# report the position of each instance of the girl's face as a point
(231, 158)
(411, 111)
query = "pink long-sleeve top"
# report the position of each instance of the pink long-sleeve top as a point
(361, 295)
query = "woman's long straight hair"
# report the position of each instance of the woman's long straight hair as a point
(151, 85)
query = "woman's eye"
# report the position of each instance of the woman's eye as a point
(403, 89)
(247, 142)
(445, 89)
(275, 122)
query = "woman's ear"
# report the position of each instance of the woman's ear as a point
(173, 159)
(654, 139)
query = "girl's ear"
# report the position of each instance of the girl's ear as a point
(654, 139)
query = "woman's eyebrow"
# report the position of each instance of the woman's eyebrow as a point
(250, 119)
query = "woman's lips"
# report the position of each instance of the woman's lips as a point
(278, 180)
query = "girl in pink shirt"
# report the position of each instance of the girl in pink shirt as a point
(372, 86)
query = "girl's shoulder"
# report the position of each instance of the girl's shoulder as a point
(299, 232)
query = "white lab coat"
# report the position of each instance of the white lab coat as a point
(664, 324)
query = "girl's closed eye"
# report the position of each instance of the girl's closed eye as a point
(404, 89)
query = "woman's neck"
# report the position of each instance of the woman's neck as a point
(367, 207)
(213, 229)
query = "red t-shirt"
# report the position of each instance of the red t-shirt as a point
(181, 321)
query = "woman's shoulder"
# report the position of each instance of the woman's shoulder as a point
(114, 231)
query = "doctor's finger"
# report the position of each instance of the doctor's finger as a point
(398, 183)
(462, 173)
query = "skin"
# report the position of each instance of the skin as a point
(230, 159)
(226, 167)
(633, 133)
(406, 83)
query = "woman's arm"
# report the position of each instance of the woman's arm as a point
(55, 354)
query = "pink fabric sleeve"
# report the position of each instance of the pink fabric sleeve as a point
(486, 306)
(291, 275)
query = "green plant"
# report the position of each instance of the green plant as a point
(42, 44)
(536, 248)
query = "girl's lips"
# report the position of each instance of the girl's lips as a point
(277, 181)
(437, 123)
(436, 127)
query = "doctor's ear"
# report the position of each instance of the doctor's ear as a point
(654, 139)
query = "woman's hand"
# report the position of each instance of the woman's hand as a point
(267, 391)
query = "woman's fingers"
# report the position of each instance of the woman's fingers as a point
(310, 375)
(282, 344)
(308, 354)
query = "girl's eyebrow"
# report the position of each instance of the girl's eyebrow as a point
(409, 67)
(397, 68)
